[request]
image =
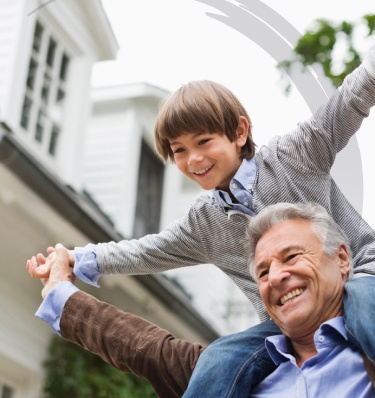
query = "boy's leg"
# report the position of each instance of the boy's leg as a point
(232, 364)
(359, 313)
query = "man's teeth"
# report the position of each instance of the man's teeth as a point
(290, 295)
(203, 171)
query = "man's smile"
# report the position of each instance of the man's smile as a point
(291, 295)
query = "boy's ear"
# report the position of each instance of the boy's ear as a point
(242, 131)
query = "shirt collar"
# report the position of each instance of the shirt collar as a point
(280, 349)
(245, 176)
(246, 173)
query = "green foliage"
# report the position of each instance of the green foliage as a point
(370, 20)
(317, 45)
(76, 373)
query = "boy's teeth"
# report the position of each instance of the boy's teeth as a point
(202, 171)
(290, 295)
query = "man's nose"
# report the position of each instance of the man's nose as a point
(277, 274)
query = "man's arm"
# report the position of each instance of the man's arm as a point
(124, 340)
(130, 343)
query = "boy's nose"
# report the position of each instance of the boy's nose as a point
(195, 158)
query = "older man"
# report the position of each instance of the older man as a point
(301, 261)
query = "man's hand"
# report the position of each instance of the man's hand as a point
(60, 269)
(40, 266)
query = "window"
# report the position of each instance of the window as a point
(6, 391)
(149, 193)
(45, 90)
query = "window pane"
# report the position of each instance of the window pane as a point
(33, 67)
(64, 67)
(40, 126)
(26, 109)
(7, 392)
(54, 138)
(46, 87)
(60, 96)
(51, 52)
(149, 193)
(38, 34)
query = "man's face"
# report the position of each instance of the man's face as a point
(301, 286)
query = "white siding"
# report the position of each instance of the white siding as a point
(11, 72)
(110, 170)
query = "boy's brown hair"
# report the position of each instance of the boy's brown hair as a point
(200, 106)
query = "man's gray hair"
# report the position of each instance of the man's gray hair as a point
(326, 229)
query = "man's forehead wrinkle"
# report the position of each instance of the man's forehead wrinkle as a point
(283, 250)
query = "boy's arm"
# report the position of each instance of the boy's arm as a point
(315, 142)
(181, 244)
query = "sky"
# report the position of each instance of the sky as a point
(167, 43)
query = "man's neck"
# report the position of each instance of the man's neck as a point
(304, 345)
(304, 350)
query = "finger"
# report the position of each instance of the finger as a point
(61, 253)
(41, 258)
(44, 281)
(37, 271)
(50, 249)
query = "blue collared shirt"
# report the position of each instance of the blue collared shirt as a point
(85, 265)
(51, 309)
(241, 187)
(337, 370)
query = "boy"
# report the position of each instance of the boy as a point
(206, 131)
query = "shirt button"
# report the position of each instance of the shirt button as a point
(249, 187)
(321, 339)
(245, 204)
(234, 185)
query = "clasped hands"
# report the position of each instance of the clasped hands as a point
(54, 268)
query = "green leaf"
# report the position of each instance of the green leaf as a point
(318, 44)
(75, 373)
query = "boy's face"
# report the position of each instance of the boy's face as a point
(209, 159)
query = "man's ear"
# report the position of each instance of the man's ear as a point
(344, 259)
(242, 131)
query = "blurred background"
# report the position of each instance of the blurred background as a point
(80, 86)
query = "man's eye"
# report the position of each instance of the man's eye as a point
(292, 256)
(262, 273)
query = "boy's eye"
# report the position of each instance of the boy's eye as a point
(201, 142)
(178, 150)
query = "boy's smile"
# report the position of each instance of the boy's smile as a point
(204, 171)
(209, 159)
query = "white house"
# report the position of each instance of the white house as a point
(46, 54)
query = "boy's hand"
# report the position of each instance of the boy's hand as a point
(40, 266)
